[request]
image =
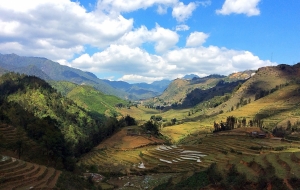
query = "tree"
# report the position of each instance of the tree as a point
(129, 120)
(289, 125)
(173, 121)
(19, 146)
(244, 122)
(214, 175)
(152, 126)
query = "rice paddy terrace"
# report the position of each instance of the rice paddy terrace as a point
(19, 174)
(196, 154)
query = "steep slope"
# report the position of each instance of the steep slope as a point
(2, 71)
(140, 90)
(188, 93)
(49, 70)
(17, 174)
(265, 81)
(55, 71)
(95, 101)
(30, 102)
(64, 87)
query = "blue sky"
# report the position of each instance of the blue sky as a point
(149, 40)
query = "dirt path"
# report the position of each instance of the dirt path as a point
(288, 184)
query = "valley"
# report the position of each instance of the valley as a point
(218, 132)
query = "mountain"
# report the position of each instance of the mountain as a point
(162, 84)
(33, 105)
(2, 71)
(190, 76)
(189, 92)
(264, 81)
(140, 90)
(49, 70)
(95, 101)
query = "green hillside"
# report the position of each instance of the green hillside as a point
(64, 87)
(183, 93)
(54, 121)
(48, 69)
(95, 101)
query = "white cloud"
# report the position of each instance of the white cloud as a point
(196, 39)
(139, 78)
(59, 29)
(162, 9)
(135, 64)
(123, 59)
(204, 3)
(119, 6)
(182, 27)
(56, 29)
(213, 59)
(248, 7)
(163, 39)
(182, 12)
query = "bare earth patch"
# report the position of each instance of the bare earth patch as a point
(122, 141)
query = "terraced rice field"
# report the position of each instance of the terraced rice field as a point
(199, 154)
(18, 174)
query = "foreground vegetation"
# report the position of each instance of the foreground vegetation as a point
(242, 135)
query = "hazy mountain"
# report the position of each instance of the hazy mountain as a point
(49, 70)
(180, 91)
(140, 90)
(190, 76)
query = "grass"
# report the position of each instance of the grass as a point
(94, 100)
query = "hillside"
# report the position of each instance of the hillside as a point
(141, 90)
(190, 92)
(94, 101)
(187, 148)
(47, 69)
(68, 130)
(17, 174)
(266, 81)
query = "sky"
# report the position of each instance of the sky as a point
(150, 40)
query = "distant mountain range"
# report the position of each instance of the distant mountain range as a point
(53, 71)
(171, 92)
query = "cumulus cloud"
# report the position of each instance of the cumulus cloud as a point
(248, 7)
(204, 3)
(119, 6)
(182, 27)
(196, 39)
(138, 78)
(163, 39)
(123, 59)
(162, 9)
(182, 12)
(56, 29)
(60, 29)
(135, 64)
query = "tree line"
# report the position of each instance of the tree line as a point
(233, 122)
(63, 130)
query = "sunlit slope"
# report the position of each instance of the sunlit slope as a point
(266, 80)
(94, 100)
(179, 88)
